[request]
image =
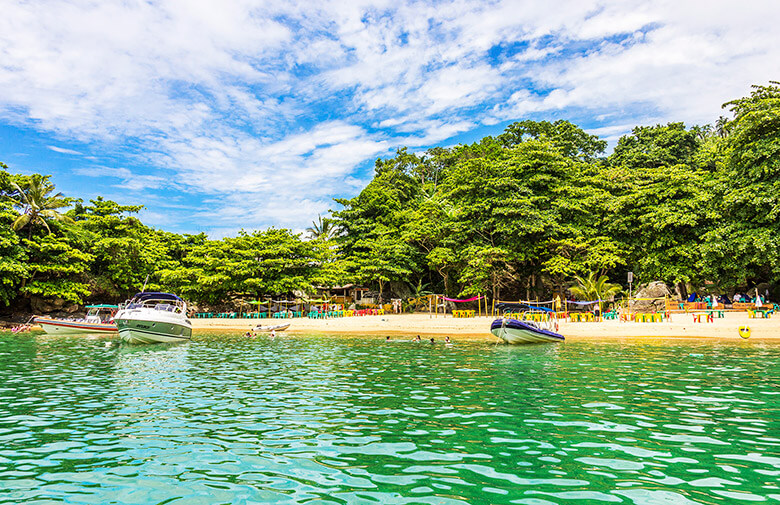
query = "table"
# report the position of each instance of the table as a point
(708, 317)
(762, 313)
(720, 313)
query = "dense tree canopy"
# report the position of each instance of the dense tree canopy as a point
(531, 212)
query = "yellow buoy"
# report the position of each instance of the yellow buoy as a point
(744, 332)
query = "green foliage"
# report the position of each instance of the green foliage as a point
(656, 146)
(36, 202)
(519, 215)
(569, 139)
(746, 245)
(594, 287)
(56, 268)
(322, 229)
(267, 262)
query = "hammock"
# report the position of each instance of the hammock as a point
(473, 299)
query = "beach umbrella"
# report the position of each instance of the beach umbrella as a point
(758, 300)
(714, 302)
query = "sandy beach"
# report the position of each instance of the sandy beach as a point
(680, 326)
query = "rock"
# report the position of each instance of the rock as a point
(656, 289)
(46, 306)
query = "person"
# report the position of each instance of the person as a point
(447, 339)
(273, 333)
(387, 339)
(418, 339)
(596, 312)
(432, 340)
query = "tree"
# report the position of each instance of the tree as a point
(322, 229)
(571, 140)
(37, 204)
(745, 247)
(594, 287)
(13, 267)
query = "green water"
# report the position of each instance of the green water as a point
(324, 420)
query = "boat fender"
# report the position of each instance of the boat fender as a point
(744, 332)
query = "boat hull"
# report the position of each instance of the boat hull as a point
(142, 331)
(513, 331)
(54, 326)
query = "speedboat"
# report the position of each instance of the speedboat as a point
(151, 317)
(526, 331)
(278, 327)
(99, 320)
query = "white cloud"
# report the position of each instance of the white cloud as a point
(273, 105)
(64, 151)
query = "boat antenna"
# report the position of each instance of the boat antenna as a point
(145, 281)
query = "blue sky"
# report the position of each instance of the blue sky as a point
(240, 114)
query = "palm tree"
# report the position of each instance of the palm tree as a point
(37, 204)
(322, 229)
(594, 288)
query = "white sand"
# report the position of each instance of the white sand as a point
(680, 326)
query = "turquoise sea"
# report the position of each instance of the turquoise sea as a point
(327, 420)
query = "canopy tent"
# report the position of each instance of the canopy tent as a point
(101, 306)
(259, 303)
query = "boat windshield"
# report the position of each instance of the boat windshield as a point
(102, 314)
(163, 305)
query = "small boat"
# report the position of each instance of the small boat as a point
(278, 327)
(529, 330)
(99, 320)
(151, 317)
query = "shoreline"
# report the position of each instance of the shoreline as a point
(681, 326)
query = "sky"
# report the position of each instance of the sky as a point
(218, 116)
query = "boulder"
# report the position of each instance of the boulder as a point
(656, 289)
(46, 305)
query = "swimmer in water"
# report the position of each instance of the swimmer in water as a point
(432, 340)
(447, 340)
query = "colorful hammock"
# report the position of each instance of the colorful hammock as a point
(473, 299)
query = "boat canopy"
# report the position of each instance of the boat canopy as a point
(154, 295)
(101, 306)
(520, 306)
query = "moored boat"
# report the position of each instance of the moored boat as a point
(514, 331)
(99, 320)
(153, 317)
(278, 327)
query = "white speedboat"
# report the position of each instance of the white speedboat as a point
(514, 331)
(99, 320)
(151, 318)
(278, 327)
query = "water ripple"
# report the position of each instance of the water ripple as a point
(335, 420)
